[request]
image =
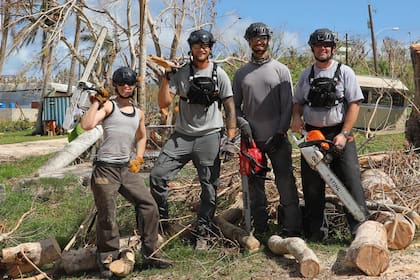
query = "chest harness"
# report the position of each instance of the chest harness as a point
(322, 92)
(203, 90)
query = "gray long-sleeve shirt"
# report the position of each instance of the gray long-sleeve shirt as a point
(263, 96)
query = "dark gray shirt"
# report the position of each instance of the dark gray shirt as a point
(263, 96)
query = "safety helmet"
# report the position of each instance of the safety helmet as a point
(257, 29)
(201, 36)
(323, 35)
(124, 75)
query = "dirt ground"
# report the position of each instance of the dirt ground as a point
(20, 151)
(404, 265)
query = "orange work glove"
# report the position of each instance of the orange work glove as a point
(135, 164)
(102, 95)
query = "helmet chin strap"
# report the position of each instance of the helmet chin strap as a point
(324, 59)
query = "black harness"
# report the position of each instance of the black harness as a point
(203, 90)
(322, 92)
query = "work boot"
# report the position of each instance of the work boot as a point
(155, 262)
(103, 266)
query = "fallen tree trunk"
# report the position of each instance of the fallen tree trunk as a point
(248, 242)
(308, 262)
(39, 253)
(71, 151)
(400, 229)
(369, 251)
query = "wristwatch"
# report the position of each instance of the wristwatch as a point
(345, 133)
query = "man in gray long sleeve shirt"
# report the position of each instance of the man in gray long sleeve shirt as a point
(263, 100)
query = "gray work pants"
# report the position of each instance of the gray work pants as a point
(203, 151)
(107, 181)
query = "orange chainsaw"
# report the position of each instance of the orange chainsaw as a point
(318, 152)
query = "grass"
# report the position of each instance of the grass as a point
(60, 205)
(23, 136)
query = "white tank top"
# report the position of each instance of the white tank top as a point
(119, 135)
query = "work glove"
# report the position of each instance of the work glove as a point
(273, 143)
(135, 164)
(228, 149)
(246, 132)
(102, 95)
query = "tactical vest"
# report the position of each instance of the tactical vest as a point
(322, 92)
(203, 90)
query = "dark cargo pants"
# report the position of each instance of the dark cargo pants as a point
(346, 167)
(281, 161)
(107, 181)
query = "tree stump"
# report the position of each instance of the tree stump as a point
(369, 251)
(308, 261)
(400, 229)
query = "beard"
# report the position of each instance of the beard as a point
(324, 59)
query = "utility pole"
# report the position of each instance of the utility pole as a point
(347, 49)
(372, 33)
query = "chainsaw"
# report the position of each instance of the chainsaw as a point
(80, 99)
(318, 153)
(252, 162)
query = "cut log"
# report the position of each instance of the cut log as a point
(39, 253)
(308, 261)
(400, 229)
(124, 266)
(248, 242)
(84, 259)
(413, 215)
(369, 251)
(378, 186)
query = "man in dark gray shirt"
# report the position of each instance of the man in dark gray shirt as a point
(263, 102)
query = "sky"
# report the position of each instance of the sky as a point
(297, 19)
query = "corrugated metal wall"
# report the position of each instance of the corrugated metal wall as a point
(55, 109)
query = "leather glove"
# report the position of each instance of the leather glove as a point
(274, 142)
(228, 149)
(135, 164)
(102, 95)
(246, 132)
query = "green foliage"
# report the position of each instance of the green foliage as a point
(8, 126)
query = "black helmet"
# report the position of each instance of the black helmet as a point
(124, 75)
(322, 35)
(201, 36)
(257, 29)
